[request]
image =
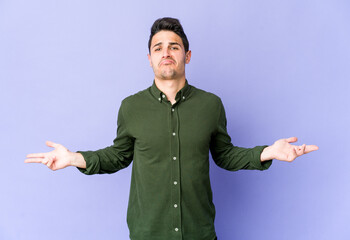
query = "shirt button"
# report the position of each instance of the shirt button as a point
(174, 158)
(175, 205)
(163, 96)
(175, 183)
(159, 99)
(172, 109)
(174, 134)
(176, 229)
(183, 97)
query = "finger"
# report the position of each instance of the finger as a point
(293, 155)
(292, 139)
(52, 144)
(36, 155)
(310, 148)
(45, 160)
(300, 149)
(49, 163)
(34, 160)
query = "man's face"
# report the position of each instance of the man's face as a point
(167, 56)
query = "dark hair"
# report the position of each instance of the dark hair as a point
(168, 24)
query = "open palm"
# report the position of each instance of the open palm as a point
(58, 158)
(284, 151)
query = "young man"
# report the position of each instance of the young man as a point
(167, 131)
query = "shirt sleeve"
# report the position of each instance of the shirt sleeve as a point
(113, 158)
(230, 157)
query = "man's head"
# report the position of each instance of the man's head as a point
(168, 24)
(168, 49)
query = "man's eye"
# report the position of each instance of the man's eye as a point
(157, 49)
(174, 48)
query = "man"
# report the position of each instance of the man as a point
(167, 131)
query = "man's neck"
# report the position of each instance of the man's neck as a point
(170, 87)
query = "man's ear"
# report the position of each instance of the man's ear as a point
(149, 59)
(188, 57)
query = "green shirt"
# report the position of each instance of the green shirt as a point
(170, 196)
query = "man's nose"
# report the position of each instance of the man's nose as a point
(166, 52)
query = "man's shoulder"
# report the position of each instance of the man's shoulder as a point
(137, 97)
(206, 95)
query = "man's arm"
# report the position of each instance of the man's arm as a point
(230, 157)
(108, 160)
(234, 158)
(58, 158)
(284, 151)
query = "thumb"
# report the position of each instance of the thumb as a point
(292, 139)
(51, 144)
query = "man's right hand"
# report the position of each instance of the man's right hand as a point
(58, 158)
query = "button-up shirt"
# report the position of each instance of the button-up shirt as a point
(170, 196)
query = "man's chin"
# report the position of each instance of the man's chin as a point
(168, 75)
(167, 78)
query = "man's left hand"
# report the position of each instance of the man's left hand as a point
(284, 151)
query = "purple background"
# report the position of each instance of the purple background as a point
(282, 69)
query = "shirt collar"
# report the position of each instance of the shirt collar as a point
(182, 94)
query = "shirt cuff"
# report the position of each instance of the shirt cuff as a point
(256, 162)
(92, 163)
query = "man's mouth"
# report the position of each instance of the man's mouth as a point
(166, 62)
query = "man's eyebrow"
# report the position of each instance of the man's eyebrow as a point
(174, 43)
(170, 43)
(156, 45)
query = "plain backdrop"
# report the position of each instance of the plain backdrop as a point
(281, 68)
